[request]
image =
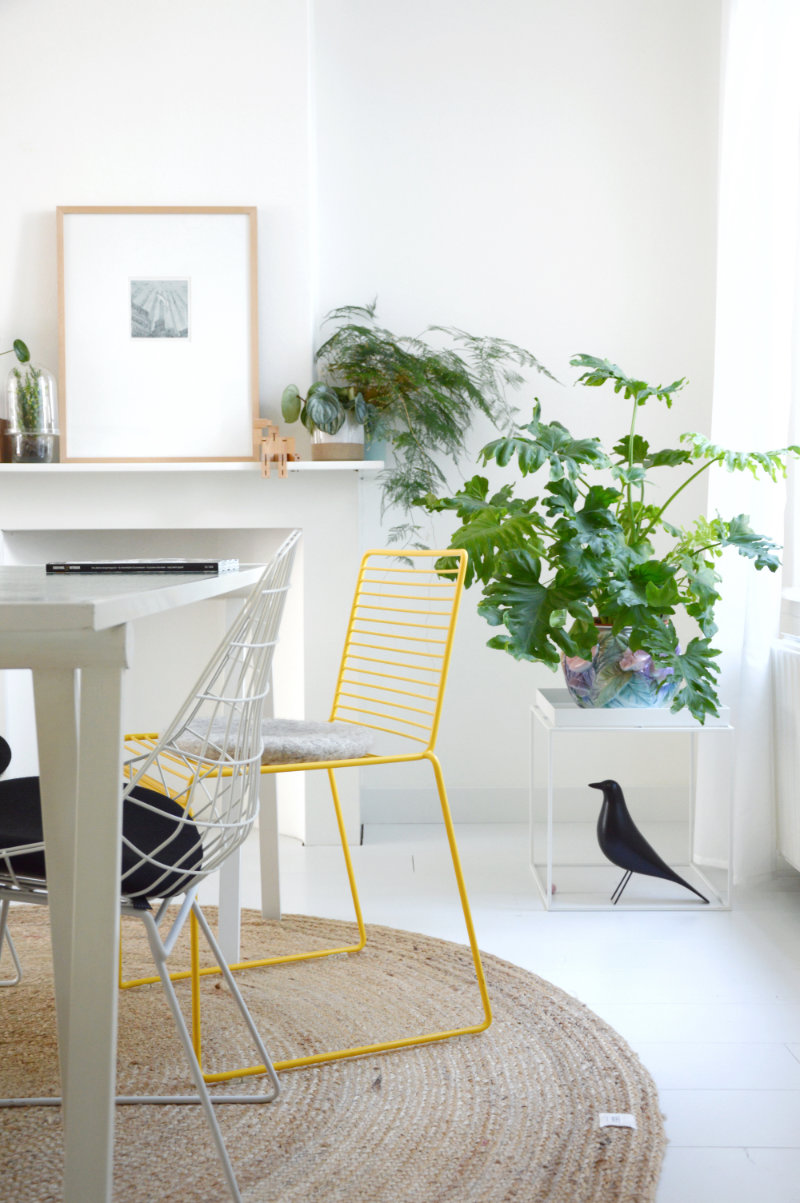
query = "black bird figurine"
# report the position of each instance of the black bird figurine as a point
(623, 843)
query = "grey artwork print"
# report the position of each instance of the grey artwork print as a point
(159, 308)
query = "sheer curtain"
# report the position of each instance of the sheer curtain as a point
(755, 364)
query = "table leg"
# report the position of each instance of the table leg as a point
(268, 847)
(87, 1000)
(230, 915)
(231, 872)
(55, 698)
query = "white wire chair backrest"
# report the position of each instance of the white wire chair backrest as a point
(214, 788)
(399, 639)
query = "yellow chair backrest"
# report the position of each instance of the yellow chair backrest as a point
(398, 643)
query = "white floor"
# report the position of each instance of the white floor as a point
(710, 1001)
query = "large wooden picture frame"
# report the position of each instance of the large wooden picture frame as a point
(158, 332)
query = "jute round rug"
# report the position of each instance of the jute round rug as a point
(512, 1114)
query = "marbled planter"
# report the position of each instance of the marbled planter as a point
(616, 676)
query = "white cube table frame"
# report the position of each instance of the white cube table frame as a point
(570, 871)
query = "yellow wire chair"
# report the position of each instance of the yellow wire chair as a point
(391, 685)
(182, 816)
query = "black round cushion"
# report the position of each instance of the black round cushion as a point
(147, 830)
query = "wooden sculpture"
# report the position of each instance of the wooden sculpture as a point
(271, 447)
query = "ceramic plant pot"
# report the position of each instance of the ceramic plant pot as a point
(616, 676)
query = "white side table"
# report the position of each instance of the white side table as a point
(653, 756)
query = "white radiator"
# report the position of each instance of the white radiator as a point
(786, 707)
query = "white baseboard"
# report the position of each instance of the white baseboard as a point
(509, 805)
(422, 805)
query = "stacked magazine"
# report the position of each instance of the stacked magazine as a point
(158, 565)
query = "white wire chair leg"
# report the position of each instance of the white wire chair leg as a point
(160, 950)
(160, 957)
(5, 935)
(267, 1065)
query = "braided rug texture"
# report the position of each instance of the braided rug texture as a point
(511, 1114)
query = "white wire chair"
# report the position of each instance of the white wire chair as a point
(5, 934)
(182, 817)
(7, 942)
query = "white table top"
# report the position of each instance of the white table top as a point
(33, 600)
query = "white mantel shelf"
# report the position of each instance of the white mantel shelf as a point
(367, 465)
(210, 507)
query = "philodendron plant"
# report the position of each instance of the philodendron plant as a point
(582, 548)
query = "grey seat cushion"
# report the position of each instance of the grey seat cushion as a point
(289, 740)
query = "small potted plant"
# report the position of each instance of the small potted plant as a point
(571, 573)
(420, 394)
(31, 412)
(334, 417)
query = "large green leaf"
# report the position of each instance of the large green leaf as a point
(601, 371)
(472, 498)
(698, 669)
(700, 594)
(668, 457)
(528, 453)
(567, 456)
(521, 602)
(662, 598)
(324, 409)
(759, 548)
(638, 597)
(695, 669)
(291, 403)
(491, 531)
(771, 463)
(549, 443)
(635, 450)
(590, 525)
(560, 497)
(629, 474)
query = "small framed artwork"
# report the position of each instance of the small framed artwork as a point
(158, 333)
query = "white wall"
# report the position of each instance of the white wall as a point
(189, 102)
(542, 170)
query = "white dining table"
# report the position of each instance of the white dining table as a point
(75, 633)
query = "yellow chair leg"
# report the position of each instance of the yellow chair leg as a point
(324, 952)
(462, 892)
(428, 1037)
(361, 1050)
(265, 962)
(183, 974)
